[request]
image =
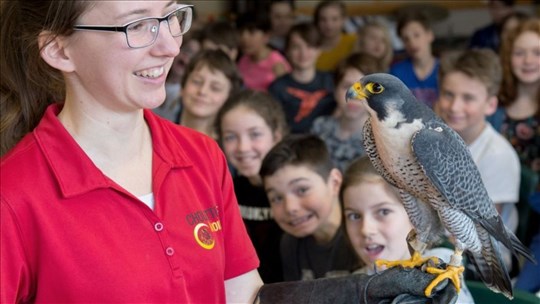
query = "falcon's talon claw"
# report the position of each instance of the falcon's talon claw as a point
(453, 273)
(415, 261)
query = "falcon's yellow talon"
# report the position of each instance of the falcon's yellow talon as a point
(452, 273)
(415, 261)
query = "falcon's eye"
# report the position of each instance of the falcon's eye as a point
(375, 88)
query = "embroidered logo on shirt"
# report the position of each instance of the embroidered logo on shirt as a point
(206, 223)
(308, 101)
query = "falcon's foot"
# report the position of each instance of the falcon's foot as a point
(453, 273)
(416, 261)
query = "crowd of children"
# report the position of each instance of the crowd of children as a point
(306, 198)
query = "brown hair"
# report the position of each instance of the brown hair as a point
(359, 171)
(508, 92)
(307, 31)
(262, 103)
(306, 150)
(412, 16)
(215, 60)
(221, 33)
(480, 64)
(365, 63)
(28, 84)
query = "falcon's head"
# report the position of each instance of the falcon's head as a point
(387, 98)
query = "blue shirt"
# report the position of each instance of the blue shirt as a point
(425, 90)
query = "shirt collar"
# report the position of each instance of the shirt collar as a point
(75, 171)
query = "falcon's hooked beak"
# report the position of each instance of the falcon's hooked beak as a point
(357, 91)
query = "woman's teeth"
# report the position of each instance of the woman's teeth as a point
(151, 73)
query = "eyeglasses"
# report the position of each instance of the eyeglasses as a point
(143, 32)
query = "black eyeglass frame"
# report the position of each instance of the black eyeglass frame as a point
(123, 28)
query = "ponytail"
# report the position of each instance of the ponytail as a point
(28, 85)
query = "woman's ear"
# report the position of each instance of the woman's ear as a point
(53, 51)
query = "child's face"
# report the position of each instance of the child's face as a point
(247, 138)
(374, 42)
(330, 22)
(350, 109)
(464, 103)
(252, 42)
(376, 222)
(526, 58)
(302, 202)
(302, 56)
(205, 92)
(417, 40)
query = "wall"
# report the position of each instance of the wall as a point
(463, 16)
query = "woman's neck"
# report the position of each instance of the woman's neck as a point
(101, 130)
(119, 145)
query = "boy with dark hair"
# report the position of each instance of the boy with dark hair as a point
(419, 69)
(305, 93)
(302, 185)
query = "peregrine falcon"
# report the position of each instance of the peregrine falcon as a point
(438, 181)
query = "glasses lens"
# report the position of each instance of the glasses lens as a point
(142, 33)
(180, 21)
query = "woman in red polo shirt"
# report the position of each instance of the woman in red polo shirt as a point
(103, 201)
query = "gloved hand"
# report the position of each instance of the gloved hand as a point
(394, 285)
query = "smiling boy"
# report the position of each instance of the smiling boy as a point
(469, 83)
(302, 185)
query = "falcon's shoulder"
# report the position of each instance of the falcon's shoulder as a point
(447, 162)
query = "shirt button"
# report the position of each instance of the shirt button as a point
(169, 251)
(158, 226)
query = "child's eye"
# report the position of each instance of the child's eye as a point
(275, 199)
(216, 89)
(255, 135)
(353, 216)
(196, 81)
(229, 137)
(384, 212)
(302, 190)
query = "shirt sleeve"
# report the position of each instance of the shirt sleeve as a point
(15, 274)
(240, 255)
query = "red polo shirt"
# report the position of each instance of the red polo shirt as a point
(71, 234)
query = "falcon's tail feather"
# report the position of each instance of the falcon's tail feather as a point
(519, 248)
(498, 230)
(490, 267)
